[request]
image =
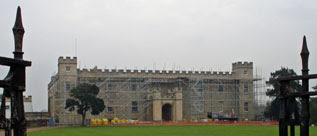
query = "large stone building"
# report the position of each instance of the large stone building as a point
(27, 100)
(157, 95)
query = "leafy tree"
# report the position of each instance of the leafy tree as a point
(273, 109)
(84, 99)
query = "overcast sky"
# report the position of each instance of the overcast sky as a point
(170, 34)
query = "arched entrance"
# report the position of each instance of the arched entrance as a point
(167, 112)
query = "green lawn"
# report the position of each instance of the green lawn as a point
(166, 131)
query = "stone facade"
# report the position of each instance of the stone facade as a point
(27, 100)
(156, 95)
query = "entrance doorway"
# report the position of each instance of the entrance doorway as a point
(167, 112)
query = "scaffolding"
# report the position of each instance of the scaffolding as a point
(203, 96)
(206, 96)
(260, 97)
(57, 97)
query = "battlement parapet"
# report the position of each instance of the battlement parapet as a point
(236, 65)
(27, 98)
(242, 64)
(155, 72)
(68, 60)
(84, 70)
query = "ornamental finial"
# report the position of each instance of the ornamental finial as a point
(305, 55)
(18, 31)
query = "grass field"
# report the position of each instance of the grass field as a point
(166, 131)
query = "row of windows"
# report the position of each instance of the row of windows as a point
(109, 87)
(220, 88)
(206, 81)
(134, 107)
(134, 87)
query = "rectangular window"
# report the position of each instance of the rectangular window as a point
(134, 106)
(220, 88)
(110, 109)
(246, 87)
(67, 69)
(109, 87)
(67, 86)
(246, 106)
(245, 72)
(134, 87)
(7, 107)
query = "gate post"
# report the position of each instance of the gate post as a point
(283, 130)
(303, 93)
(304, 124)
(14, 84)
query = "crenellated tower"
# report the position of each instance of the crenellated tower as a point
(67, 66)
(59, 88)
(244, 72)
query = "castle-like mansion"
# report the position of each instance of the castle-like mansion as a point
(157, 95)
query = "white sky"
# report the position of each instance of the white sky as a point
(191, 34)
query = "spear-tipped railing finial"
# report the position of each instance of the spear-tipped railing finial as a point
(18, 32)
(304, 55)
